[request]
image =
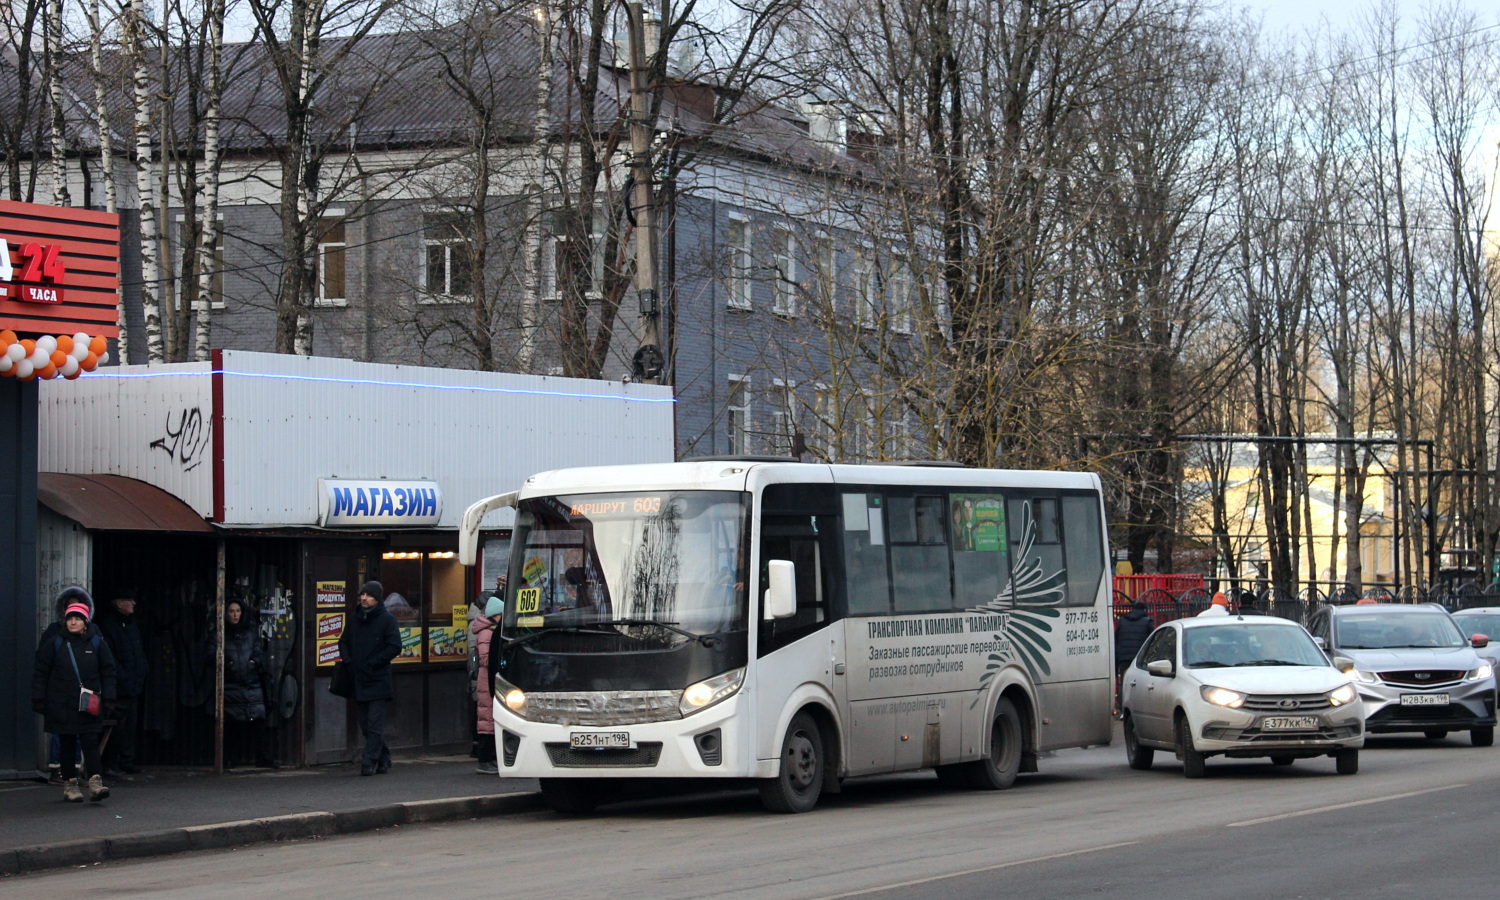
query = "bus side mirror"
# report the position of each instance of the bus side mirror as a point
(781, 589)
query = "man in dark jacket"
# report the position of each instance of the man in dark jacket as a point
(122, 631)
(370, 642)
(1130, 634)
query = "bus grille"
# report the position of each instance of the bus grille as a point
(643, 756)
(601, 708)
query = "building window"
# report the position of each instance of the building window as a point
(784, 302)
(552, 274)
(447, 270)
(189, 240)
(331, 248)
(739, 272)
(866, 307)
(783, 424)
(898, 296)
(737, 415)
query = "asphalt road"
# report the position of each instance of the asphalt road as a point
(1414, 823)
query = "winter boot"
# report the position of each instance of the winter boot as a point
(97, 790)
(71, 791)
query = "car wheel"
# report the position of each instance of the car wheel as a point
(1483, 736)
(1346, 762)
(1192, 761)
(1435, 734)
(998, 771)
(572, 796)
(797, 787)
(1282, 760)
(1139, 757)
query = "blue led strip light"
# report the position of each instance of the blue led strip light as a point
(411, 384)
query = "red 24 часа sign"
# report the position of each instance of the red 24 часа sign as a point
(39, 279)
(63, 270)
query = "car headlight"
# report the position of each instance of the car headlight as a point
(706, 693)
(1222, 696)
(1342, 695)
(512, 697)
(1485, 670)
(1366, 677)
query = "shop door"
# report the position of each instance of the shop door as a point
(334, 573)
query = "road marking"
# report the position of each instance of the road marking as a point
(1008, 865)
(1324, 809)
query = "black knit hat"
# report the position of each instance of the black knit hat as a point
(374, 589)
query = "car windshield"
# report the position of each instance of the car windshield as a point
(1486, 624)
(1230, 645)
(1398, 631)
(663, 566)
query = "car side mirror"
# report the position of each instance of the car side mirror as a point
(1160, 667)
(781, 589)
(1480, 641)
(1343, 664)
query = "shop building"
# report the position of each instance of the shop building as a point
(287, 482)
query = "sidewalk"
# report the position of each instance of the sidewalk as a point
(175, 810)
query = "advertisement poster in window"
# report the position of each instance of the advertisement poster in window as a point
(328, 652)
(330, 594)
(979, 522)
(411, 644)
(447, 643)
(330, 629)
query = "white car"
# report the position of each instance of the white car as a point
(1239, 686)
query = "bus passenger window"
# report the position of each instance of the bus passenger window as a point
(919, 565)
(1083, 548)
(981, 553)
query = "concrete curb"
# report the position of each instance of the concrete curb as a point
(243, 833)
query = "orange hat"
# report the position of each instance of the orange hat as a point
(1365, 601)
(1220, 599)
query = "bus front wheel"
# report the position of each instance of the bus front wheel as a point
(800, 782)
(998, 770)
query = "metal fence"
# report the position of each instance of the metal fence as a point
(1165, 605)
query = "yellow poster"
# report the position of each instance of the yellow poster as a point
(445, 642)
(460, 616)
(328, 652)
(330, 593)
(411, 645)
(330, 626)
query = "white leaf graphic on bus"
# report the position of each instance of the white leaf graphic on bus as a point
(1028, 605)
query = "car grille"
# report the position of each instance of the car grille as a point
(1280, 704)
(1423, 678)
(1454, 712)
(1256, 736)
(643, 756)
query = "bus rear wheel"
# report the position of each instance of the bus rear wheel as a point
(797, 787)
(998, 770)
(573, 796)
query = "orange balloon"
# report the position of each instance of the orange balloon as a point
(89, 362)
(64, 343)
(46, 371)
(29, 344)
(58, 358)
(7, 337)
(97, 345)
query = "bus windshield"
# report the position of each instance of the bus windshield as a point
(670, 565)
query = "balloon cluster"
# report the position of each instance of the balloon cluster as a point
(50, 357)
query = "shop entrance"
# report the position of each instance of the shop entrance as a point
(334, 573)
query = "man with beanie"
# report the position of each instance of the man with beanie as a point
(122, 631)
(1219, 606)
(370, 642)
(73, 679)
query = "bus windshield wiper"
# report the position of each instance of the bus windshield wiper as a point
(706, 640)
(545, 630)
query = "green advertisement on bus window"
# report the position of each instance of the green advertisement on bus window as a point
(979, 522)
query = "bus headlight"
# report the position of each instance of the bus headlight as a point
(512, 697)
(710, 691)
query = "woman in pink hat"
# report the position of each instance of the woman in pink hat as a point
(72, 682)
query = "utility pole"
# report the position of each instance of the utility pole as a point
(648, 361)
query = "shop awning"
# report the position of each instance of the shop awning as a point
(116, 503)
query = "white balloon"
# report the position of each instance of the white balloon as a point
(6, 363)
(39, 358)
(46, 342)
(69, 366)
(15, 352)
(103, 358)
(80, 349)
(80, 338)
(24, 368)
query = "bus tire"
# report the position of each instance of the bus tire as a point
(572, 796)
(797, 787)
(998, 770)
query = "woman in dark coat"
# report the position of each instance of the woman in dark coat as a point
(71, 657)
(244, 690)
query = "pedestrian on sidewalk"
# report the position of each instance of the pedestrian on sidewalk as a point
(72, 684)
(122, 631)
(245, 733)
(1130, 634)
(369, 644)
(483, 629)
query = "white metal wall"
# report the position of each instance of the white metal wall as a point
(64, 556)
(152, 423)
(290, 420)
